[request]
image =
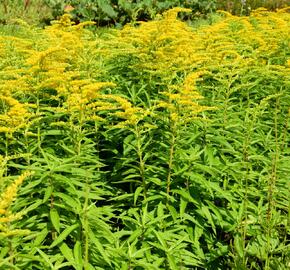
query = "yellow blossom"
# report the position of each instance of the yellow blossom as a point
(14, 116)
(9, 194)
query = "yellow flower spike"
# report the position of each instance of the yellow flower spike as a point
(41, 59)
(82, 25)
(9, 233)
(15, 115)
(226, 13)
(131, 115)
(123, 103)
(91, 91)
(165, 105)
(174, 117)
(189, 85)
(9, 217)
(80, 83)
(172, 13)
(9, 194)
(64, 21)
(95, 118)
(283, 10)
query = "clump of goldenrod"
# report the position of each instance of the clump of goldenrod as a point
(14, 115)
(181, 100)
(168, 48)
(57, 58)
(6, 199)
(163, 47)
(49, 57)
(130, 115)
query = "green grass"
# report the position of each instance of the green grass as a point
(37, 12)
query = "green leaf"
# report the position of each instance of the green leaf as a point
(75, 205)
(78, 255)
(64, 235)
(107, 8)
(41, 236)
(198, 232)
(185, 195)
(4, 251)
(182, 207)
(217, 213)
(137, 193)
(34, 206)
(172, 262)
(54, 218)
(206, 213)
(239, 246)
(99, 246)
(47, 194)
(58, 265)
(67, 253)
(138, 232)
(173, 212)
(45, 257)
(160, 210)
(161, 240)
(176, 244)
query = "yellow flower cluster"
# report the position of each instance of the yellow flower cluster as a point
(67, 58)
(163, 47)
(6, 199)
(14, 115)
(64, 57)
(59, 58)
(169, 49)
(53, 56)
(182, 100)
(168, 45)
(120, 107)
(245, 38)
(83, 96)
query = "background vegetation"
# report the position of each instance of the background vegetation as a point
(161, 146)
(120, 12)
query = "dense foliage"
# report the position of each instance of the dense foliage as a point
(242, 7)
(158, 146)
(32, 11)
(121, 11)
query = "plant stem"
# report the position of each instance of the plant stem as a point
(6, 153)
(171, 157)
(86, 227)
(271, 187)
(141, 161)
(249, 127)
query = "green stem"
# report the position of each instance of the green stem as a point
(141, 161)
(86, 227)
(6, 153)
(271, 187)
(38, 126)
(53, 231)
(285, 132)
(245, 185)
(171, 158)
(226, 104)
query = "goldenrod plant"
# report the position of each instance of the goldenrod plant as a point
(156, 146)
(7, 197)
